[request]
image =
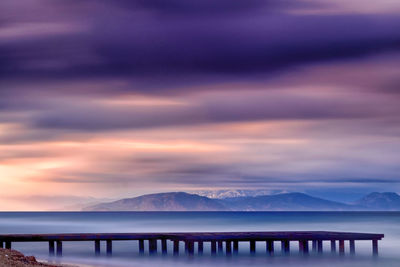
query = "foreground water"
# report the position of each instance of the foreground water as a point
(125, 253)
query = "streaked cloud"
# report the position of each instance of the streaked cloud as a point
(118, 98)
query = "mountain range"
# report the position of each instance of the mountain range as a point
(182, 201)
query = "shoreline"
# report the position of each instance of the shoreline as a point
(14, 258)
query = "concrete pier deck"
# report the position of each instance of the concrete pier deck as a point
(216, 240)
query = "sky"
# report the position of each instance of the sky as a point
(111, 99)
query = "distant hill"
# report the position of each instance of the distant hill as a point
(181, 201)
(380, 201)
(288, 201)
(175, 201)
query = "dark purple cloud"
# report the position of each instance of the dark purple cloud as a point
(202, 8)
(175, 40)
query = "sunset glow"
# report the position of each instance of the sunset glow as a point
(296, 97)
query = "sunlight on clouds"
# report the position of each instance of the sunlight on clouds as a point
(51, 164)
(167, 146)
(27, 30)
(9, 173)
(112, 144)
(138, 100)
(269, 141)
(349, 6)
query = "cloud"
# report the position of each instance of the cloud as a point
(164, 42)
(114, 98)
(227, 106)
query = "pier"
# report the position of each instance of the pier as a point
(217, 240)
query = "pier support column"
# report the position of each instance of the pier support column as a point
(109, 247)
(252, 247)
(1, 244)
(189, 247)
(220, 247)
(59, 248)
(352, 247)
(375, 247)
(141, 246)
(314, 245)
(320, 248)
(164, 249)
(228, 247)
(333, 246)
(341, 247)
(51, 248)
(8, 245)
(303, 247)
(176, 247)
(213, 247)
(200, 247)
(152, 246)
(235, 247)
(270, 247)
(285, 245)
(97, 247)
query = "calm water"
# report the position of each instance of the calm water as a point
(125, 253)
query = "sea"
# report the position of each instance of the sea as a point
(126, 253)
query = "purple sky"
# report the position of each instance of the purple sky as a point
(111, 99)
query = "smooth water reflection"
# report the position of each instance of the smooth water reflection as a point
(125, 253)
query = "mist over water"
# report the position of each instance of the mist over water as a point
(126, 253)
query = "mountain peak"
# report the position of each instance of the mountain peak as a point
(380, 201)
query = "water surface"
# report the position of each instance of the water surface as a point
(125, 253)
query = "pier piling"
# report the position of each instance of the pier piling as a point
(270, 247)
(303, 247)
(285, 246)
(235, 247)
(375, 247)
(164, 248)
(319, 245)
(352, 247)
(200, 247)
(228, 247)
(252, 247)
(51, 248)
(176, 247)
(152, 246)
(314, 246)
(186, 247)
(59, 248)
(341, 247)
(97, 247)
(213, 247)
(109, 247)
(189, 247)
(333, 246)
(141, 246)
(220, 247)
